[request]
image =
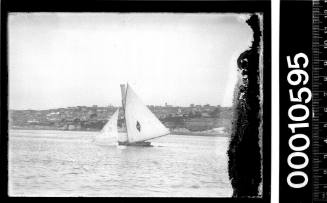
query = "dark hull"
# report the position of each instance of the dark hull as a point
(140, 144)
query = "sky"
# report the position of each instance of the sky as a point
(80, 59)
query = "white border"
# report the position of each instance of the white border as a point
(275, 19)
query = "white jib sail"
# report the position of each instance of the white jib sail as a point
(110, 129)
(141, 123)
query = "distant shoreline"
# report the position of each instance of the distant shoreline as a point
(200, 134)
(172, 133)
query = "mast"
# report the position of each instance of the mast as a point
(123, 90)
(123, 95)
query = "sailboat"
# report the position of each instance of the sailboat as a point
(141, 124)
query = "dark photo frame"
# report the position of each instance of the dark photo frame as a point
(249, 163)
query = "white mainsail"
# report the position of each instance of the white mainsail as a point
(141, 123)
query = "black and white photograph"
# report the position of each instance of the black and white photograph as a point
(136, 104)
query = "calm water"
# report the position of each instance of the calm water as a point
(61, 163)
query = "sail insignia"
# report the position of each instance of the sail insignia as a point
(138, 126)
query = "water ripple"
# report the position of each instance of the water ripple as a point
(61, 163)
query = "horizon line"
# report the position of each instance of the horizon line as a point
(168, 105)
